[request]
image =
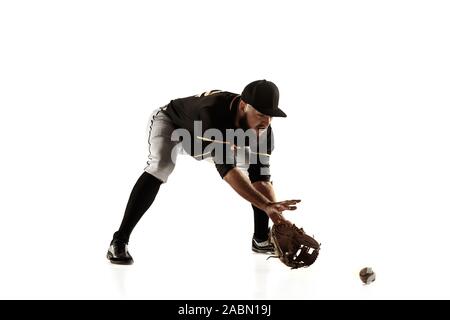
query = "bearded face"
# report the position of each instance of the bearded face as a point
(255, 120)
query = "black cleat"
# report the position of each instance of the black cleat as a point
(118, 253)
(264, 246)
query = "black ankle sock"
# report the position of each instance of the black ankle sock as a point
(261, 224)
(141, 198)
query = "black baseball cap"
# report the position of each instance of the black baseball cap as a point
(263, 95)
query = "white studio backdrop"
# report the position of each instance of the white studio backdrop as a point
(365, 85)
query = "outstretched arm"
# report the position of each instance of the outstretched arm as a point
(266, 188)
(242, 185)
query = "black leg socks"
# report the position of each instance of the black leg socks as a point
(261, 220)
(141, 198)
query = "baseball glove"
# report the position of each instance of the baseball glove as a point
(293, 246)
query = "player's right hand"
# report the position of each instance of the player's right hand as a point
(275, 209)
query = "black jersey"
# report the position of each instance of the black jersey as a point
(217, 109)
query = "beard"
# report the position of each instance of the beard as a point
(243, 123)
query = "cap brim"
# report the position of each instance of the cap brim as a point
(275, 113)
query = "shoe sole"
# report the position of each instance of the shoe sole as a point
(262, 251)
(121, 262)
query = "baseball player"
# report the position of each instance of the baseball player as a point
(201, 126)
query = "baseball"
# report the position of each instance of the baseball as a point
(367, 275)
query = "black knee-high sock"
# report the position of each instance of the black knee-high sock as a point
(261, 220)
(141, 198)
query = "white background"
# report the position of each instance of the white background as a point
(365, 146)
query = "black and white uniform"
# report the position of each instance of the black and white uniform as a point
(216, 110)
